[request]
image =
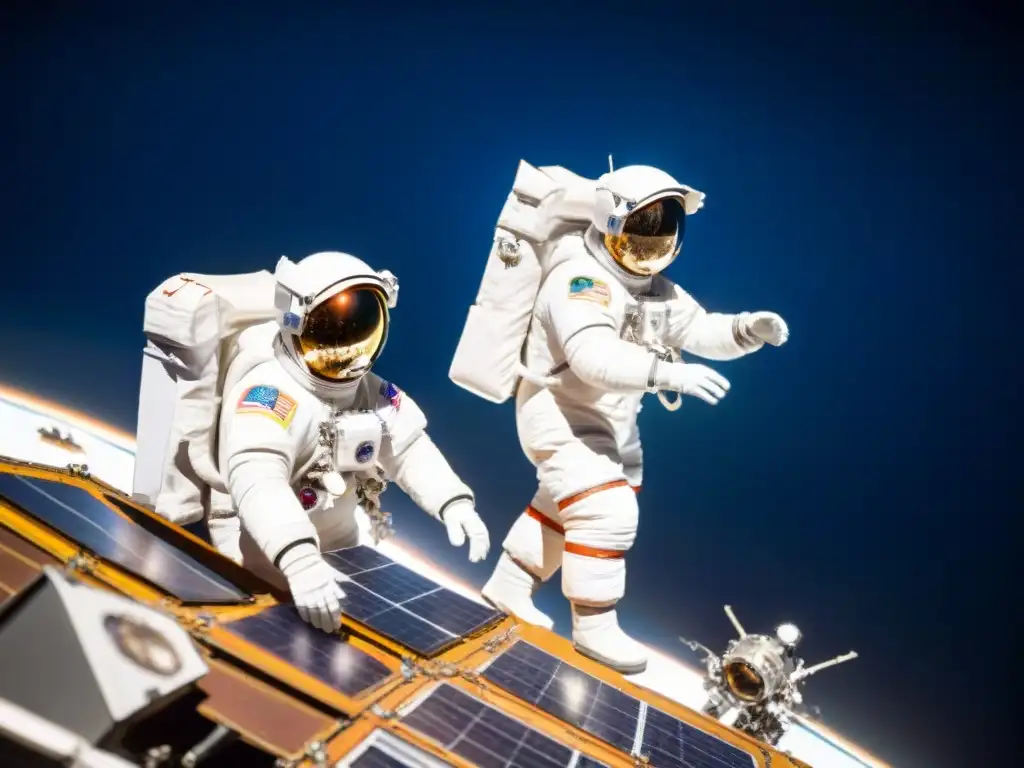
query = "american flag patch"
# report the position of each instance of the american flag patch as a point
(590, 289)
(392, 393)
(268, 401)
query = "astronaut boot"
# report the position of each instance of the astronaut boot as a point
(597, 635)
(511, 589)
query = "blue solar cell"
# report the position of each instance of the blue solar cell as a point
(328, 658)
(567, 693)
(604, 711)
(373, 757)
(77, 514)
(358, 559)
(385, 749)
(452, 612)
(362, 605)
(394, 621)
(484, 735)
(668, 741)
(411, 631)
(396, 581)
(404, 606)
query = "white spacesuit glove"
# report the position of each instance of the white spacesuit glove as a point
(692, 379)
(766, 326)
(462, 520)
(314, 586)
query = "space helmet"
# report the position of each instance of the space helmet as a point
(641, 212)
(333, 313)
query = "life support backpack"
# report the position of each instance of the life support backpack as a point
(545, 204)
(191, 325)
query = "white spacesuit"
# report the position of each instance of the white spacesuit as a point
(602, 333)
(307, 435)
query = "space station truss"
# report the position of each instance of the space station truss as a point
(418, 676)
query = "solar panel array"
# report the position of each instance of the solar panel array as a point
(402, 605)
(594, 706)
(280, 631)
(416, 613)
(483, 735)
(78, 515)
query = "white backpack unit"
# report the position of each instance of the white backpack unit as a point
(545, 204)
(191, 324)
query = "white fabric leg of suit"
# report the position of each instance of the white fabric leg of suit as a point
(599, 513)
(532, 554)
(584, 487)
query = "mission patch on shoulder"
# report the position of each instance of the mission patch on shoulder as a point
(268, 401)
(391, 393)
(590, 289)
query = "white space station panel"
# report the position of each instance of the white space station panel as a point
(820, 749)
(120, 657)
(22, 418)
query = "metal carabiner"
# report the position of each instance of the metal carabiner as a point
(669, 355)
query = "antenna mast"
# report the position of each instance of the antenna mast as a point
(808, 671)
(735, 622)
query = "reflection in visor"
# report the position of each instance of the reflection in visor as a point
(343, 336)
(651, 237)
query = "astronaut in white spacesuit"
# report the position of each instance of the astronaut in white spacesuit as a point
(602, 328)
(305, 434)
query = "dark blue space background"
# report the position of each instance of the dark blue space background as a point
(862, 166)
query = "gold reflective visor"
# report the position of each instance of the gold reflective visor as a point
(651, 237)
(343, 335)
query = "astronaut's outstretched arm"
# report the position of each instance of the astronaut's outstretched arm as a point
(410, 458)
(601, 359)
(422, 471)
(711, 335)
(259, 481)
(262, 441)
(579, 317)
(262, 436)
(576, 307)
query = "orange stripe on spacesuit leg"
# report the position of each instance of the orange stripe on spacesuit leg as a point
(547, 522)
(601, 554)
(582, 549)
(544, 520)
(565, 503)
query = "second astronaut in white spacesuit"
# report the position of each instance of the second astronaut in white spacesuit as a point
(303, 433)
(599, 318)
